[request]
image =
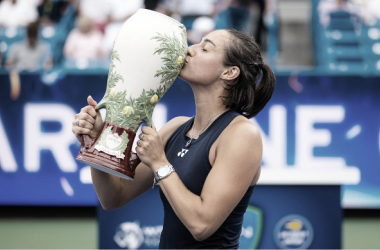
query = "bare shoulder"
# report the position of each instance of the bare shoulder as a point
(239, 145)
(241, 129)
(168, 129)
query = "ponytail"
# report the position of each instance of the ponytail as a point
(253, 88)
(264, 90)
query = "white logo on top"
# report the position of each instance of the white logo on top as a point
(182, 153)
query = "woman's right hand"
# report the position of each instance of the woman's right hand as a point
(88, 121)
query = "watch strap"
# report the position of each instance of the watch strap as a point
(157, 178)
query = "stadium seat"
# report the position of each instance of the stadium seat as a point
(7, 37)
(85, 65)
(348, 68)
(340, 14)
(341, 24)
(342, 36)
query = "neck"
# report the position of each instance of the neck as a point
(208, 108)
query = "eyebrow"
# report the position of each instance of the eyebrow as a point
(206, 40)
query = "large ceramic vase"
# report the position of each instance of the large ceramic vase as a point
(147, 56)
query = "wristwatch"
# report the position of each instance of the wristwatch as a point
(162, 173)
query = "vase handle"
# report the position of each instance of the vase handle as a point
(86, 141)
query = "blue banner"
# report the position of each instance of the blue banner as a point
(300, 218)
(321, 130)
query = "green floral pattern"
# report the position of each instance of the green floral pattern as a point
(130, 112)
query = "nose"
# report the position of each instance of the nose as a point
(191, 51)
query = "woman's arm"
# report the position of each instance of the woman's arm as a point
(112, 191)
(237, 165)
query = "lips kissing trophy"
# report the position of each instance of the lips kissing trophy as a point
(147, 56)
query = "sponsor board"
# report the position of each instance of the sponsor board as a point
(315, 133)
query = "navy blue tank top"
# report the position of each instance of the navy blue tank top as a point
(192, 166)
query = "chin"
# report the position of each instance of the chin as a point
(187, 76)
(182, 75)
(183, 78)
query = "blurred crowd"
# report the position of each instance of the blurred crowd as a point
(368, 11)
(38, 34)
(346, 36)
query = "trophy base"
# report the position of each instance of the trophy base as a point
(105, 169)
(123, 167)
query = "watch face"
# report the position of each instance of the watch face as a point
(162, 172)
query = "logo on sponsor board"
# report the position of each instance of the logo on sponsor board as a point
(251, 229)
(293, 232)
(132, 235)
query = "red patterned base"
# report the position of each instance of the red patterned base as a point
(124, 168)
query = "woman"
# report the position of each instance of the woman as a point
(84, 42)
(216, 155)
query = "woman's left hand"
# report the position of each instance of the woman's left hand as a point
(150, 149)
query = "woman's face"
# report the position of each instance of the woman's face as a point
(203, 64)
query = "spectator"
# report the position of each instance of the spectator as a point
(97, 10)
(369, 11)
(235, 15)
(31, 54)
(325, 7)
(17, 13)
(244, 15)
(151, 4)
(84, 42)
(189, 10)
(258, 25)
(200, 28)
(166, 7)
(50, 12)
(119, 12)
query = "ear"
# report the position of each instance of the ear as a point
(230, 73)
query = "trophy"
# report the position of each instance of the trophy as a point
(147, 56)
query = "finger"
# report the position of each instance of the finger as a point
(147, 130)
(153, 127)
(81, 131)
(75, 123)
(138, 151)
(89, 110)
(82, 124)
(85, 117)
(141, 136)
(91, 101)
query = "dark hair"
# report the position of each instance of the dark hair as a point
(252, 89)
(32, 29)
